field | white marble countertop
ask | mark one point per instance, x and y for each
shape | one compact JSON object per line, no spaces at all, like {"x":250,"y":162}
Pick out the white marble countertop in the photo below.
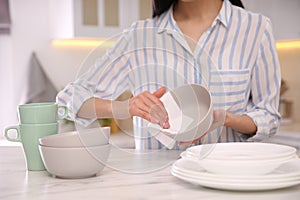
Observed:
{"x":17,"y":184}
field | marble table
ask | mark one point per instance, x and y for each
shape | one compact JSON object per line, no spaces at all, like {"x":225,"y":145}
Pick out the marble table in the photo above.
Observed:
{"x":16,"y":183}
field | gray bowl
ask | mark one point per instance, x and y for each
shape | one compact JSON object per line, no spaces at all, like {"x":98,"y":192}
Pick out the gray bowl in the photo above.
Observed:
{"x":195,"y":102}
{"x":81,"y":162}
{"x":82,"y":138}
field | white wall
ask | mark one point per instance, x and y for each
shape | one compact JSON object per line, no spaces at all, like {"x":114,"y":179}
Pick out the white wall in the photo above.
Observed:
{"x":290,"y":69}
{"x":61,"y":18}
{"x":6,"y":82}
{"x":284,"y":14}
{"x":34,"y":24}
{"x":62,"y":64}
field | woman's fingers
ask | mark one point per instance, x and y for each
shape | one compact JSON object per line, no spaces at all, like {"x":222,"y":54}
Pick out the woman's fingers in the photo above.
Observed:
{"x":163,"y":113}
{"x":191,"y":142}
{"x":157,"y":108}
{"x":219,"y":118}
{"x":150,"y":112}
{"x":159,"y":112}
{"x":160,"y":92}
{"x":187,"y":143}
{"x":149,"y":107}
{"x":219,"y":115}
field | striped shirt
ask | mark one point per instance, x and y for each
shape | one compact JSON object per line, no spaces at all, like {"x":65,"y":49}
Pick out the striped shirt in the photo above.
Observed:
{"x":235,"y":59}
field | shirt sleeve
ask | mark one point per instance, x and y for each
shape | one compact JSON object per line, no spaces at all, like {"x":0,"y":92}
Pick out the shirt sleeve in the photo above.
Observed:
{"x":265,"y":88}
{"x":106,"y":79}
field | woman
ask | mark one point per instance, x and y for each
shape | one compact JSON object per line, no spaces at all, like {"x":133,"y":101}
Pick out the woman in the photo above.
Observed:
{"x":238,"y":42}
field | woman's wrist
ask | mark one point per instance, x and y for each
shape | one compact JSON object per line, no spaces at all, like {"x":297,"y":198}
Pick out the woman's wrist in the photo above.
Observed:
{"x":241,"y":123}
{"x":228,"y":119}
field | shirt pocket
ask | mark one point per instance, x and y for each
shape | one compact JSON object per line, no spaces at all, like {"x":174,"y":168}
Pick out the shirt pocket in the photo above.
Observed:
{"x":229,"y":89}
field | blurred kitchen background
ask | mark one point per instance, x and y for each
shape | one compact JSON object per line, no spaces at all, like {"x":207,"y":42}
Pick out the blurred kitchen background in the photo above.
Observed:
{"x":44,"y":42}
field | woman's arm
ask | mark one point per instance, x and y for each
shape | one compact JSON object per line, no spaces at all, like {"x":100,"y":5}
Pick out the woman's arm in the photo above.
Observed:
{"x":96,"y":81}
{"x":265,"y":87}
{"x":240,"y":123}
{"x":145,"y":105}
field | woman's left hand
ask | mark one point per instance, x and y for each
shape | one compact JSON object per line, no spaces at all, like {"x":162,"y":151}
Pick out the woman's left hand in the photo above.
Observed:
{"x":219,"y":120}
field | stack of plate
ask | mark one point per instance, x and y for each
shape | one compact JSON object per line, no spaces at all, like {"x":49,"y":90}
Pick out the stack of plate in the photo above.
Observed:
{"x":239,"y":166}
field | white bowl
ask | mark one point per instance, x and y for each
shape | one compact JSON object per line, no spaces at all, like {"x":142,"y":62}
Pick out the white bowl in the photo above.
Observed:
{"x":258,"y":167}
{"x":242,"y":151}
{"x":239,"y":167}
{"x":241,"y":158}
{"x":195,"y":102}
{"x":82,"y":138}
{"x":80,"y":162}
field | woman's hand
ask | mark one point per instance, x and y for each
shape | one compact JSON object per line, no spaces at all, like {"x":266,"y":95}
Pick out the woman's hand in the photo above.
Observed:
{"x":219,"y":120}
{"x":148,"y":106}
{"x":242,"y":123}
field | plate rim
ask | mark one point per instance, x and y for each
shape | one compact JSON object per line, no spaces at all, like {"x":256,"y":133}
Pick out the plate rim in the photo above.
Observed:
{"x":237,"y":187}
{"x":229,"y":176}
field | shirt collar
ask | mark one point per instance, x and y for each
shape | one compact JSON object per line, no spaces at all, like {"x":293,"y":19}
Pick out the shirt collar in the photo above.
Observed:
{"x":166,"y":21}
{"x":224,"y":15}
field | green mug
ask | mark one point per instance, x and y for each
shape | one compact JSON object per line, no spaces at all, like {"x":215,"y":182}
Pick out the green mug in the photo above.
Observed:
{"x":39,"y":113}
{"x":28,"y":135}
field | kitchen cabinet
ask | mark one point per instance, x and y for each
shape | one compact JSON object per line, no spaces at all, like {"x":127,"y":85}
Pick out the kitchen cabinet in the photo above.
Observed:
{"x":106,"y":18}
{"x":284,"y":16}
{"x":65,"y":23}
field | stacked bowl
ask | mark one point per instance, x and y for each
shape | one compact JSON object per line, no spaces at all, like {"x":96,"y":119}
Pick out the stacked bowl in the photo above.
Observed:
{"x":77,"y":154}
{"x":240,"y":158}
{"x":239,"y":166}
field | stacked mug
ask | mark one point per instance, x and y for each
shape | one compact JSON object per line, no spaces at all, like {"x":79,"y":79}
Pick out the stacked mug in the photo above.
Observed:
{"x":36,"y":121}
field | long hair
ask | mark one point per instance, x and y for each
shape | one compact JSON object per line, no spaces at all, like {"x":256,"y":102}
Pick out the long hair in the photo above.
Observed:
{"x":160,"y":6}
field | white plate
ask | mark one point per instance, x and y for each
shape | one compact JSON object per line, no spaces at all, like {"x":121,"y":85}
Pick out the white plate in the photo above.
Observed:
{"x":235,"y":186}
{"x":190,"y":168}
{"x":239,"y":167}
{"x":241,"y":151}
{"x":287,"y":170}
{"x":285,"y":176}
{"x":241,"y":158}
{"x":190,"y":156}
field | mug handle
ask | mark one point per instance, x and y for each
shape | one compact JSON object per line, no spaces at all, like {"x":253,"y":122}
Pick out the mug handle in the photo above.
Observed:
{"x":65,"y":112}
{"x":17,"y":139}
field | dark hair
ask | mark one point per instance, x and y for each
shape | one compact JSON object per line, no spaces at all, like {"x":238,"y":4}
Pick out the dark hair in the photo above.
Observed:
{"x":160,"y":6}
